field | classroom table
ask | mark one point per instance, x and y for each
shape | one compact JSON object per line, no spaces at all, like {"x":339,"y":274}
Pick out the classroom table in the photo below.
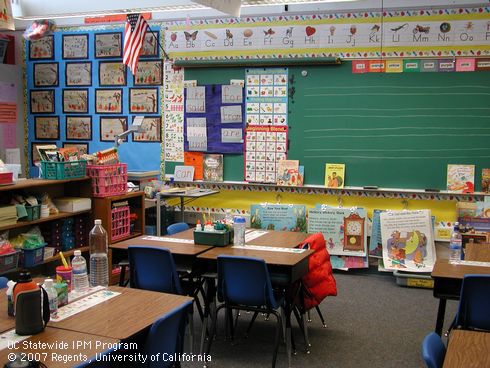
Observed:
{"x":66,"y":353}
{"x":193,"y":193}
{"x":469,"y":349}
{"x":124,"y":315}
{"x":448,"y":279}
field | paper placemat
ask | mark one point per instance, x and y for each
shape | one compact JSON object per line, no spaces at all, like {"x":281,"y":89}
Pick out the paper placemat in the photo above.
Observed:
{"x":473,"y":263}
{"x":168,"y":239}
{"x":269,"y":249}
{"x":83,"y":304}
{"x":253,"y":234}
{"x":9,"y":338}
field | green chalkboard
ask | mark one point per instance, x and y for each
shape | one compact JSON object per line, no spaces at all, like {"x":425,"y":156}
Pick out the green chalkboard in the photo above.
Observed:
{"x":395,"y":130}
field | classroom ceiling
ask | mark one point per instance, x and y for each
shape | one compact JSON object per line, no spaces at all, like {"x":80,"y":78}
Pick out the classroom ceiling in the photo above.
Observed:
{"x":73,"y":12}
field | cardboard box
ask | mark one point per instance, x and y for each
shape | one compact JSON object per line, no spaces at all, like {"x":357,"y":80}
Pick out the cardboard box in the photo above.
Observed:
{"x":73,"y":204}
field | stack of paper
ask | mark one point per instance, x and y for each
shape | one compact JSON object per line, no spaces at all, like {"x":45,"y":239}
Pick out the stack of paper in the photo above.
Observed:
{"x":8,"y":215}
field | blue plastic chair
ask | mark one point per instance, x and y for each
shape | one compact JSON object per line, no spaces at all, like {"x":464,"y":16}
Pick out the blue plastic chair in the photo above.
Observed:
{"x":244,"y":284}
{"x":177,"y":228}
{"x":433,"y":351}
{"x":3,"y":282}
{"x":474,"y":303}
{"x":166,"y":336}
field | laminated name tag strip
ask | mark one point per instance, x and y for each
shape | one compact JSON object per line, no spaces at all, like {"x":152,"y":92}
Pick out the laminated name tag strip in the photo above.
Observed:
{"x":253,"y":234}
{"x":473,"y":263}
{"x":168,"y":239}
{"x":83,"y":304}
{"x":269,"y":249}
{"x":9,"y":338}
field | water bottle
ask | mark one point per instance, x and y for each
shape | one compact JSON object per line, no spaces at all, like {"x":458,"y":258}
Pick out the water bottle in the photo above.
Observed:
{"x":52,"y":297}
{"x":79,"y":278}
{"x":228,"y":217}
{"x":99,"y":268}
{"x":455,"y":245}
{"x":239,"y":226}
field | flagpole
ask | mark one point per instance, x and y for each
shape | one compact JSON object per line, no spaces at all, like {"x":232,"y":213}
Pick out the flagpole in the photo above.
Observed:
{"x":165,"y":55}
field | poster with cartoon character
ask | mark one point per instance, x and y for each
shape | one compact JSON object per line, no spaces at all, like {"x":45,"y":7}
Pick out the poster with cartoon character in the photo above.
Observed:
{"x":286,"y":217}
{"x":408,"y":240}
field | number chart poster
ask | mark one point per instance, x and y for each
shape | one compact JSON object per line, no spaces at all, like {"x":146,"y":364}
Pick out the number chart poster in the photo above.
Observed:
{"x":332,"y":223}
{"x":285,"y":217}
{"x":408,"y":240}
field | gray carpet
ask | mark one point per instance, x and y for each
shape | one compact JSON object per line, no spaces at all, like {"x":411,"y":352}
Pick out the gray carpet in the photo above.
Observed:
{"x":372,"y":322}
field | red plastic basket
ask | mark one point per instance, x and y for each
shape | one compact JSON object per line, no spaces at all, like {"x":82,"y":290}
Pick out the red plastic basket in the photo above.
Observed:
{"x":120,"y":222}
{"x":108,"y":180}
{"x":6,"y":178}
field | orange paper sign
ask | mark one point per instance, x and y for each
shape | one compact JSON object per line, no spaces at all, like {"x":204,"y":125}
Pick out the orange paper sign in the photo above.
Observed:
{"x":195,"y":159}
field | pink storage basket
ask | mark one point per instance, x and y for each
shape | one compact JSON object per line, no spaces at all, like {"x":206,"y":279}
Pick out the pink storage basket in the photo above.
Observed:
{"x":108,"y":180}
{"x":120,"y":222}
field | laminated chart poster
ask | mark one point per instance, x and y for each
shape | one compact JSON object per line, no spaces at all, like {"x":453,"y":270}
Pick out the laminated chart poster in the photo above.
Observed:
{"x":266,"y":118}
{"x":408,"y":240}
{"x":285,"y":217}
{"x":173,"y":113}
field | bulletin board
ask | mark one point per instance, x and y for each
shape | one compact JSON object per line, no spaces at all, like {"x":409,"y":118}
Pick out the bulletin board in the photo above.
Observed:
{"x":73,"y":69}
{"x":215,"y":127}
{"x":397,"y":130}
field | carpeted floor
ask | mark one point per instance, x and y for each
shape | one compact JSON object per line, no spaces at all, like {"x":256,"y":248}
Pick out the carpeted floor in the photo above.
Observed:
{"x":372,"y":323}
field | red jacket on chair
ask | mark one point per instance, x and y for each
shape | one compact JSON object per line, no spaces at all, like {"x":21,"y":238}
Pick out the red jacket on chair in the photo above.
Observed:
{"x":319,"y":281}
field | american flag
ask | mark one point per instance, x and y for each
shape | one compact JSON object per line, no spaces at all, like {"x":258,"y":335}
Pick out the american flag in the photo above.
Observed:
{"x":134,"y":35}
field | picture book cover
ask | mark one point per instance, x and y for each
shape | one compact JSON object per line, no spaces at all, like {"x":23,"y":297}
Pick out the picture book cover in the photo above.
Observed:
{"x":461,"y":178}
{"x":334,"y":175}
{"x":213,"y":167}
{"x":195,"y":159}
{"x":408,"y":240}
{"x":485,"y":180}
{"x":288,"y":173}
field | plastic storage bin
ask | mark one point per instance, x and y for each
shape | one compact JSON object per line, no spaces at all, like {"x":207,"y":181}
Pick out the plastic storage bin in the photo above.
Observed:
{"x":120,"y":222}
{"x":218,"y":238}
{"x":32,"y":257}
{"x":33,"y":213}
{"x":414,"y":280}
{"x":6,"y":178}
{"x":9,"y":261}
{"x":108,"y":180}
{"x":63,"y":170}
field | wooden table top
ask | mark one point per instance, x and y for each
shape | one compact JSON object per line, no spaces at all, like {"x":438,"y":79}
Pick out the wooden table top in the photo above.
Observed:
{"x":284,"y":239}
{"x":53,"y":357}
{"x":443,"y":269}
{"x":123,"y":315}
{"x":469,"y":349}
{"x":477,"y":252}
{"x":185,"y":249}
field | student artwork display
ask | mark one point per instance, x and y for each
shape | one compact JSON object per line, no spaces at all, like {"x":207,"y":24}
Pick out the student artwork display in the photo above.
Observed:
{"x":78,"y":73}
{"x":79,"y":128}
{"x":81,"y":147}
{"x":461,"y":178}
{"x":47,"y":127}
{"x":108,"y":45}
{"x":265,"y":146}
{"x":108,"y":101}
{"x":213,"y":167}
{"x":75,"y":100}
{"x":112,"y":73}
{"x":42,"y":48}
{"x":413,"y":32}
{"x":42,"y":101}
{"x":289,"y":173}
{"x":267,"y":96}
{"x":143,"y":100}
{"x":213,"y":119}
{"x":150,"y":45}
{"x":334,"y":175}
{"x":285,"y":217}
{"x":173,"y":113}
{"x":111,"y":126}
{"x":149,"y":73}
{"x":46,"y":74}
{"x":344,"y":230}
{"x":75,"y":46}
{"x":408,"y":240}
{"x":152,"y":127}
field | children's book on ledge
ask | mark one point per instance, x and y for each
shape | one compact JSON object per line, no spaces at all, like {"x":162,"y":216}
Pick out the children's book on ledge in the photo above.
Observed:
{"x":461,"y":178}
{"x":213,"y":167}
{"x":289,"y":173}
{"x":334,"y":175}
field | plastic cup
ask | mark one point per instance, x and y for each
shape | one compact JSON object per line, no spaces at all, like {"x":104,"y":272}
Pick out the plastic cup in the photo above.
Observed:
{"x":64,"y":273}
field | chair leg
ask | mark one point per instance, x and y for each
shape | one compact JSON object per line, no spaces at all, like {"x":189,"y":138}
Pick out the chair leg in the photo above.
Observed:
{"x":276,"y":338}
{"x":213,"y":329}
{"x":251,"y":323}
{"x":302,"y":323}
{"x":191,"y":330}
{"x":309,"y":316}
{"x":321,"y":316}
